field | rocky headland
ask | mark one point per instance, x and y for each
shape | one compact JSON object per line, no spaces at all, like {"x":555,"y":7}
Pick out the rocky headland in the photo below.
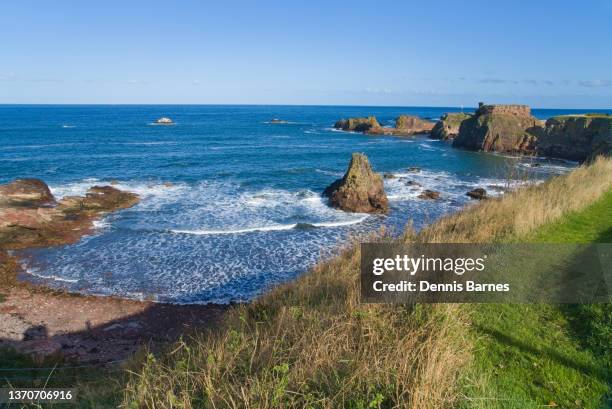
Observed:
{"x":360,"y":190}
{"x":512,"y":129}
{"x":576,"y":137}
{"x":405,"y":125}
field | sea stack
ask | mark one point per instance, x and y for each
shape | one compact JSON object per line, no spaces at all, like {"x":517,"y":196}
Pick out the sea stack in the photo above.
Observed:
{"x":360,"y":190}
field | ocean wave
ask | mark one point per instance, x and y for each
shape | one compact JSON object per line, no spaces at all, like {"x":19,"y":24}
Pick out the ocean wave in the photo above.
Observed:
{"x":152,"y":143}
{"x":276,"y":227}
{"x":329,"y":172}
{"x":52,"y":277}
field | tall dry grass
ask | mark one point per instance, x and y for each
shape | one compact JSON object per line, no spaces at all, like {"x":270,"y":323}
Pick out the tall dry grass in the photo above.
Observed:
{"x":312,"y":344}
{"x":520,"y":212}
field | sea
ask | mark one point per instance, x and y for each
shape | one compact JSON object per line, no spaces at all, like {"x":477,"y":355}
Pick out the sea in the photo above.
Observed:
{"x":231,"y":203}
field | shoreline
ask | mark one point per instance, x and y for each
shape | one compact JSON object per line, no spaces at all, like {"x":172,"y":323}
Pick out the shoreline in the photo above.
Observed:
{"x":105,"y":322}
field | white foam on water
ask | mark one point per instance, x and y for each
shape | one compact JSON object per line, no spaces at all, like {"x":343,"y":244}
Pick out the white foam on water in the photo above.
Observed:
{"x":278,"y":227}
{"x":329,"y":172}
{"x":341,"y":223}
{"x":101,"y":224}
{"x":33,"y":272}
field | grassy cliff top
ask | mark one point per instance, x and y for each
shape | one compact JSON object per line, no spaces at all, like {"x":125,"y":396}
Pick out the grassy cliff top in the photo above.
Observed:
{"x":586,"y":115}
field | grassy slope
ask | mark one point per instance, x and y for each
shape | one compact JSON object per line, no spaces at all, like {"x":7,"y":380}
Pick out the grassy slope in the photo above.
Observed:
{"x":311,"y":343}
{"x":533,"y":355}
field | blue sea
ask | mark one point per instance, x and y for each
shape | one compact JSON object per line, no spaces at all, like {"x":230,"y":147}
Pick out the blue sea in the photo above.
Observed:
{"x":230,"y":203}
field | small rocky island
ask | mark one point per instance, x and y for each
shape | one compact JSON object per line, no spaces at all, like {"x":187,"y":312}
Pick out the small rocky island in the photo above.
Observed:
{"x":164,"y":121}
{"x":405,"y":125}
{"x":360,"y":190}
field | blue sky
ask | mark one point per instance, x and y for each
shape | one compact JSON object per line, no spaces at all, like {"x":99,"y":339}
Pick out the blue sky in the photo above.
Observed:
{"x":553,"y":54}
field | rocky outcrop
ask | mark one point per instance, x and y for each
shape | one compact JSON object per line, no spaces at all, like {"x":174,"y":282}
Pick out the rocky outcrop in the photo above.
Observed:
{"x":360,"y":190}
{"x":576,"y":137}
{"x":358,"y":124}
{"x":500,"y":128}
{"x":478,"y":193}
{"x":30,"y":216}
{"x":429,"y":195}
{"x":26,"y":192}
{"x":405,"y":125}
{"x":448,"y":126}
{"x":411,"y":125}
{"x":164,"y":121}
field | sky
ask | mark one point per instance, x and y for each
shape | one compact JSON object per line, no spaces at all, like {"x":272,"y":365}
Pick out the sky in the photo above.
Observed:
{"x":548,"y":54}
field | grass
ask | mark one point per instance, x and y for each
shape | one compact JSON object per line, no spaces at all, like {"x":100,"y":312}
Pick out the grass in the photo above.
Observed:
{"x":312,"y":344}
{"x":542,"y":354}
{"x":97,"y":387}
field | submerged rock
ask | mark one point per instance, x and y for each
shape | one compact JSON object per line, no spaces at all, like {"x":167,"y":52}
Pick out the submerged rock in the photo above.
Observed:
{"x":429,"y":195}
{"x":500,"y":128}
{"x":448,"y":126}
{"x":478,"y":193}
{"x":412,"y":183}
{"x":360,"y":190}
{"x":278,"y":121}
{"x":576,"y":137}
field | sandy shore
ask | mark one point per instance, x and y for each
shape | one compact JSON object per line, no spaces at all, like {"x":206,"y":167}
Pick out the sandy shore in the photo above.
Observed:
{"x":93,"y":329}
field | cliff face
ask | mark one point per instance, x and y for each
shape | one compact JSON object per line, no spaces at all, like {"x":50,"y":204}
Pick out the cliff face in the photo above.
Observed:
{"x":500,"y":128}
{"x":576,"y":137}
{"x":448,"y":126}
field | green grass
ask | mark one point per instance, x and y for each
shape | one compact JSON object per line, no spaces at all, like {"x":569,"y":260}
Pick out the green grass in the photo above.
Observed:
{"x":593,"y":225}
{"x":543,"y":354}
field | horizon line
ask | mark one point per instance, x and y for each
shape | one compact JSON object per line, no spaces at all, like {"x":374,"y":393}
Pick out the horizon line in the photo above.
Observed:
{"x":469,"y":107}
